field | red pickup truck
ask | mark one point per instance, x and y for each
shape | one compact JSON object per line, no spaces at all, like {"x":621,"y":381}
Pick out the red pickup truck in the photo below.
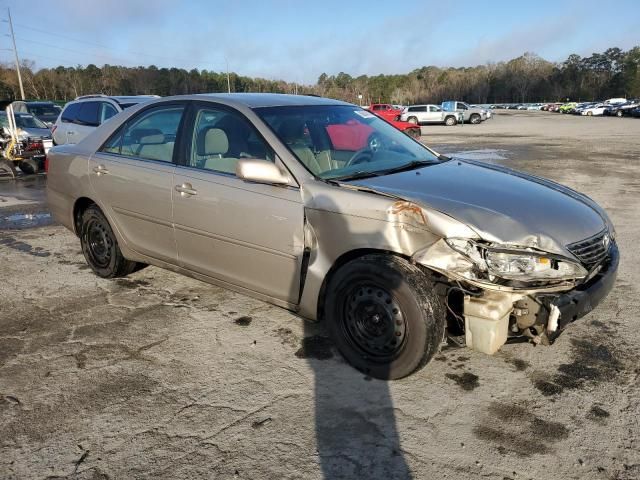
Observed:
{"x":392,"y":115}
{"x":385,"y":111}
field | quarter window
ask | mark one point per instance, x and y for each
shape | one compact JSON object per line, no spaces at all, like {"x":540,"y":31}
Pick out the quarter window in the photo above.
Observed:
{"x":151,"y":135}
{"x":221,"y":138}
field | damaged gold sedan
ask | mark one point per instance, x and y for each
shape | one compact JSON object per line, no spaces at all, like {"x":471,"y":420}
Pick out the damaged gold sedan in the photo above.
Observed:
{"x":320,"y":207}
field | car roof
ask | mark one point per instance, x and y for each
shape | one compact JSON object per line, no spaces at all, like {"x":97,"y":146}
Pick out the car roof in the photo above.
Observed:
{"x":257,"y":100}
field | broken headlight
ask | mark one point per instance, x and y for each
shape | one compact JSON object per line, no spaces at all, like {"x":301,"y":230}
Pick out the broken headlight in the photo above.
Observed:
{"x":514,"y":263}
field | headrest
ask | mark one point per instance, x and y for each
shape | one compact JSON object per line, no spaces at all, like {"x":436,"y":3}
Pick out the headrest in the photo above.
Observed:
{"x":139,"y":133}
{"x":157,"y":139}
{"x":212,"y":141}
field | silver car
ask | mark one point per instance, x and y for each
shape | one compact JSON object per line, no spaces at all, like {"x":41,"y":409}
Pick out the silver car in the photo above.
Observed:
{"x":83,"y":115}
{"x":323,"y":208}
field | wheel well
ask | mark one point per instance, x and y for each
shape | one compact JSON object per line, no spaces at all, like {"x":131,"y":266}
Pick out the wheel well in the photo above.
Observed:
{"x":78,"y":209}
{"x":343,"y":260}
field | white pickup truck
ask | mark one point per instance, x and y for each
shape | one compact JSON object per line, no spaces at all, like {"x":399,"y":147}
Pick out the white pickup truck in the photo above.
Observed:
{"x":470,"y":114}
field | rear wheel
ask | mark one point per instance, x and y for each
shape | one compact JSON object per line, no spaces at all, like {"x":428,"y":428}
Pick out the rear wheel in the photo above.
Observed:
{"x":619,"y":113}
{"x":450,"y":121}
{"x":414,"y":133}
{"x":474,"y":119}
{"x":384,"y":315}
{"x":29,"y":166}
{"x":100,"y":246}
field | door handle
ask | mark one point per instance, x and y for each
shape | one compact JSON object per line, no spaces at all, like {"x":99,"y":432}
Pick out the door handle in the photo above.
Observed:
{"x":100,"y":170}
{"x":186,"y":190}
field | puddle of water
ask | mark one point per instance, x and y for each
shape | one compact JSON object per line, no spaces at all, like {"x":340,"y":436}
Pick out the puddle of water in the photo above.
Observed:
{"x":26,"y":220}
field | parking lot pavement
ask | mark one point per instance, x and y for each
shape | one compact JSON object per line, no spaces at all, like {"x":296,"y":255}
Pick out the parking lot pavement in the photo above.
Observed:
{"x":161,"y":376}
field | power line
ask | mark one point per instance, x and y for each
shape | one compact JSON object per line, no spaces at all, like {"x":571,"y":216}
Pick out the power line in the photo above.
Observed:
{"x":170,"y":59}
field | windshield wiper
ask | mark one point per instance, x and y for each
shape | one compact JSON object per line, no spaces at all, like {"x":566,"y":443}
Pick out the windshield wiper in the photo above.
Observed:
{"x":408,"y":166}
{"x":355,"y":176}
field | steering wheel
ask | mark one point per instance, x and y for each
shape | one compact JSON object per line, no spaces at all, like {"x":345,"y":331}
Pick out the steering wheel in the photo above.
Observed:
{"x":365,"y":155}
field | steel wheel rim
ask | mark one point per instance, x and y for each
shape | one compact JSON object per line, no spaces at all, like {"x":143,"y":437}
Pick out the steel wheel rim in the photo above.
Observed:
{"x":373,"y":322}
{"x":99,"y":244}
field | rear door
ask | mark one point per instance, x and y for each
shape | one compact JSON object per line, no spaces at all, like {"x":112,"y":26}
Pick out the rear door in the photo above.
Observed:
{"x":132,"y":176}
{"x":434,"y":114}
{"x":245,"y":234}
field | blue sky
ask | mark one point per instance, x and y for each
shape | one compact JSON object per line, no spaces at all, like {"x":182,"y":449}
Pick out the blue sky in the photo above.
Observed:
{"x":298,"y":40}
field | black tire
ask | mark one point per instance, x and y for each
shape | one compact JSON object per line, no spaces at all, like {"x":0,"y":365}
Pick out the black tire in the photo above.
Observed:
{"x":413,"y":120}
{"x":475,"y":119}
{"x":100,"y":246}
{"x":29,"y":166}
{"x":414,"y":133}
{"x":450,"y":121}
{"x":7,"y":168}
{"x":384,"y":315}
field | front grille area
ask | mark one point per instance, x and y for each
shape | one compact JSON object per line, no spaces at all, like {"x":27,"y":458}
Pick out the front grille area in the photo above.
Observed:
{"x":591,"y":251}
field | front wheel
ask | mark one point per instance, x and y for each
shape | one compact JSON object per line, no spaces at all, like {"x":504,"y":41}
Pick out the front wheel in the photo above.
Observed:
{"x":589,"y":114}
{"x":450,"y":121}
{"x":619,"y":113}
{"x":413,"y":120}
{"x":100,"y":246}
{"x":384,"y":315}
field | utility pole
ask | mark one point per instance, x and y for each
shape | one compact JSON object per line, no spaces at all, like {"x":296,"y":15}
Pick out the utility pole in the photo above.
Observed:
{"x":15,"y":52}
{"x":228,"y":81}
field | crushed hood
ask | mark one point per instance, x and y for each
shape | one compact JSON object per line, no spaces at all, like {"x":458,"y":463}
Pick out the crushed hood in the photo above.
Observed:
{"x":501,"y":205}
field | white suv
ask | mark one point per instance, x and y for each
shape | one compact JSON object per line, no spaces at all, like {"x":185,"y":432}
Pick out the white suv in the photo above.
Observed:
{"x":80,"y":117}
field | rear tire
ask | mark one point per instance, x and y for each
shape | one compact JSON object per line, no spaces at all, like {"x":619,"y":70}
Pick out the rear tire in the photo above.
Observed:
{"x":414,"y":133}
{"x":7,"y":168}
{"x":100,"y":246}
{"x":29,"y":166}
{"x":475,"y":119}
{"x":384,"y":315}
{"x":619,"y":113}
{"x":450,"y":121}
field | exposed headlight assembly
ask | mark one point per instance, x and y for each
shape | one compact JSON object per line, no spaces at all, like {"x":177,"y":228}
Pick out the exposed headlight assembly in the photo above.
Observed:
{"x":514,"y":263}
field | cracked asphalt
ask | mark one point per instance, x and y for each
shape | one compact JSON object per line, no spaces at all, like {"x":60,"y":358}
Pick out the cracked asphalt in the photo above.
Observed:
{"x":161,"y":376}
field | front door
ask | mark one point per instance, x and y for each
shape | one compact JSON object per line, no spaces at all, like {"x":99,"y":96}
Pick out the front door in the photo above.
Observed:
{"x":246,"y":234}
{"x":132,"y":176}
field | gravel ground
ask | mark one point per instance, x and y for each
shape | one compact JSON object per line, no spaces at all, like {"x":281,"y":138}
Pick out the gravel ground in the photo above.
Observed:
{"x":161,"y":376}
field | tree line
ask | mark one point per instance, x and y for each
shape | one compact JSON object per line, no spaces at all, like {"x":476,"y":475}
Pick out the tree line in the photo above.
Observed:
{"x":528,"y":78}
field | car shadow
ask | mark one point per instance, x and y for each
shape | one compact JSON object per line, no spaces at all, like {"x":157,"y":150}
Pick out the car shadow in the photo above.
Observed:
{"x":355,"y":425}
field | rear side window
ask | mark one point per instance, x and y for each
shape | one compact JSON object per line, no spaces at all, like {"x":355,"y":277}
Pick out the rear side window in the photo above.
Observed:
{"x":88,"y":114}
{"x":417,"y":109}
{"x":70,"y":112}
{"x":150,"y":135}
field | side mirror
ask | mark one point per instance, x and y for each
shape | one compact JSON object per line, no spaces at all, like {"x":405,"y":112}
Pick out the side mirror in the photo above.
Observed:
{"x":261,"y":171}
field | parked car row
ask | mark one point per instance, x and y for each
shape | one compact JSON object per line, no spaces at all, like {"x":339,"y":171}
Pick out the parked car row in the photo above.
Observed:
{"x":614,"y":107}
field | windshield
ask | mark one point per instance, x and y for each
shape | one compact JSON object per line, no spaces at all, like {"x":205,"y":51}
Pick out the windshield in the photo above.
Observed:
{"x":343,"y":141}
{"x":44,"y":110}
{"x":28,"y":121}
